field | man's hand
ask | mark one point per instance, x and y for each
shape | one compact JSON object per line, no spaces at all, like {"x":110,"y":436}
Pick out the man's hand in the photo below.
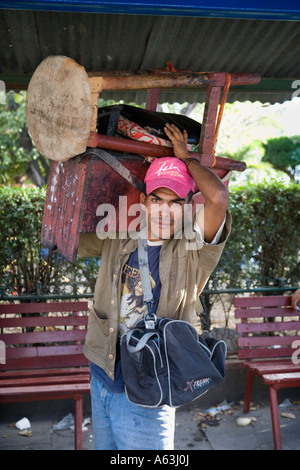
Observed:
{"x":209,"y":184}
{"x":179,"y":140}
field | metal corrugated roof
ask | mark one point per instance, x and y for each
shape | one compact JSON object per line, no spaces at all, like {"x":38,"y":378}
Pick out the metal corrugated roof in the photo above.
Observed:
{"x":108,"y":42}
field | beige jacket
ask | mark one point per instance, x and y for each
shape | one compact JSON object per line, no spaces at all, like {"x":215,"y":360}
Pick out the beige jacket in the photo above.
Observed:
{"x":183,"y":273}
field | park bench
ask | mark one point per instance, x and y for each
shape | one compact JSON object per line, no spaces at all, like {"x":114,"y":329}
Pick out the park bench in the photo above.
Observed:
{"x":43,"y":358}
{"x":269,"y":334}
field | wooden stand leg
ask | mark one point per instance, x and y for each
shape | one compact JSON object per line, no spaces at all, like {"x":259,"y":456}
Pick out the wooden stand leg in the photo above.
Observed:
{"x":275,"y":418}
{"x":248,"y":392}
{"x":78,"y":418}
{"x":207,"y":135}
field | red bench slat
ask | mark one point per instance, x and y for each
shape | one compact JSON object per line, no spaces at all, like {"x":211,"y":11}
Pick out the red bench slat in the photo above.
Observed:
{"x":283,"y":378}
{"x":36,"y":392}
{"x":44,"y":307}
{"x":51,"y":380}
{"x":267,"y":327}
{"x":262,"y":301}
{"x":55,"y":368}
{"x":269,"y":312}
{"x":256,"y":347}
{"x":43,"y":337}
{"x":32,"y":322}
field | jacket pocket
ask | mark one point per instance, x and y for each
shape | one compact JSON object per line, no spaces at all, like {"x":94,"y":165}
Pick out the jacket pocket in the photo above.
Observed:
{"x":98,"y":335}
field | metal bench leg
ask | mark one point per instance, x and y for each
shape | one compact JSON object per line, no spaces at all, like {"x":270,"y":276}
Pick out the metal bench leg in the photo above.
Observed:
{"x":248,"y":392}
{"x":275,"y":418}
{"x":78,"y":418}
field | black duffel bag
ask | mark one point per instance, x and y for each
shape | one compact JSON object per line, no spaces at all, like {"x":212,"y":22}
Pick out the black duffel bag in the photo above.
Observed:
{"x":166,"y":361}
{"x":170,"y":364}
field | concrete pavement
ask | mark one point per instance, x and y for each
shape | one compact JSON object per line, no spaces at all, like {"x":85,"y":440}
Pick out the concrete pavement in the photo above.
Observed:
{"x":196,"y":429}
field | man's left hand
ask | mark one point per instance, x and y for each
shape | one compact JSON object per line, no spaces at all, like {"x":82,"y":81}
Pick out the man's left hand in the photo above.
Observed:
{"x":179,"y":140}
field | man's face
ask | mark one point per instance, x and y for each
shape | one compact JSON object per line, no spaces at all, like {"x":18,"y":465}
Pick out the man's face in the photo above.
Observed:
{"x":164,"y":213}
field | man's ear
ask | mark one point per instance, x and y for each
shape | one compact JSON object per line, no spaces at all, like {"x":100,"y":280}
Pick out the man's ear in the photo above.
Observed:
{"x":143,"y":198}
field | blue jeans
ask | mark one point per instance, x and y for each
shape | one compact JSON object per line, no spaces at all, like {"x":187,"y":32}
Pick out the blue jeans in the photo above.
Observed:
{"x":118,"y":424}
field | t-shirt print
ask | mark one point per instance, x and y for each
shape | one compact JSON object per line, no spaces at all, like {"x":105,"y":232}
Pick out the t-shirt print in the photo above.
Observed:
{"x":132,"y":308}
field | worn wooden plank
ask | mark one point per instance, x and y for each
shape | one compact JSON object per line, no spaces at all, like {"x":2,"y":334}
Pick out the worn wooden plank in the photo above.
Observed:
{"x":266,"y":341}
{"x":267,"y":327}
{"x":43,"y":392}
{"x":31,"y":322}
{"x":42,"y":362}
{"x":43,"y":351}
{"x":35,"y":373}
{"x":207,"y":134}
{"x":63,"y":202}
{"x":290,"y":379}
{"x":43,"y":337}
{"x":44,"y":307}
{"x":273,"y":366}
{"x":248,"y":353}
{"x":59,"y":108}
{"x":262,"y":301}
{"x":50,"y":380}
{"x":269,"y":312}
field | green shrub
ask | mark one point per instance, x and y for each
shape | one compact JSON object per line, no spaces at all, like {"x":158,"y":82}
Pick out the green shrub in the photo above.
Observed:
{"x":24,"y":262}
{"x":263,"y":247}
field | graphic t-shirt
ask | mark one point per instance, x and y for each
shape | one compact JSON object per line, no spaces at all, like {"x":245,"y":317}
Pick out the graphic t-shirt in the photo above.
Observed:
{"x":132,"y":308}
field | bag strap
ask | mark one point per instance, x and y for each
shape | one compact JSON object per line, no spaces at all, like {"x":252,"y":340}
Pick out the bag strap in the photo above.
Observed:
{"x":141,"y":342}
{"x":150,"y":317}
{"x":116,"y":165}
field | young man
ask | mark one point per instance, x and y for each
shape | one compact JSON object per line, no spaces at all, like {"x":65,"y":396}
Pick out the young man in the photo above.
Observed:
{"x":180,"y":262}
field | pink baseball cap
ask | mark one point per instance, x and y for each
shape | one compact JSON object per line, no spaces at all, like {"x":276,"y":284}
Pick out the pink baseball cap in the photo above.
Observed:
{"x":169,"y":173}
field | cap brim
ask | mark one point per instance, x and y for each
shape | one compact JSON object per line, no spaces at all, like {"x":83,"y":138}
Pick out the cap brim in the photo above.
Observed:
{"x":180,"y":189}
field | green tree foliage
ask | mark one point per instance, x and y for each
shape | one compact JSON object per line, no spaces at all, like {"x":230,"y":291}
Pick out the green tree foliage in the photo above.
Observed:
{"x":263,"y":247}
{"x":24,"y":262}
{"x":19,"y":159}
{"x":284,"y":154}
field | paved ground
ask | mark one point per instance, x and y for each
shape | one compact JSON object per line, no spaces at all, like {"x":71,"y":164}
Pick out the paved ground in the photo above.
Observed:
{"x":196,"y":430}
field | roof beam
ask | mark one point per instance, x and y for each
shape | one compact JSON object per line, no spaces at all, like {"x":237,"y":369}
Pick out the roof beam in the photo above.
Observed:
{"x":248,"y":9}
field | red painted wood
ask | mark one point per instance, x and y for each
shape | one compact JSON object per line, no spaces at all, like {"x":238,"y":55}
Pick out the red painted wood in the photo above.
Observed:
{"x":267,"y":327}
{"x":37,"y":362}
{"x":55,"y":372}
{"x":43,"y":337}
{"x":42,"y":351}
{"x":57,"y":349}
{"x":38,"y":392}
{"x":43,"y":321}
{"x":152,"y":99}
{"x":262,"y":301}
{"x":266,"y":341}
{"x":62,"y":206}
{"x":283,"y":379}
{"x":209,"y":119}
{"x":267,"y":312}
{"x":78,"y":418}
{"x":121,"y":144}
{"x":264,"y":353}
{"x":104,"y":186}
{"x":52,"y":380}
{"x":275,"y":418}
{"x":44,"y":307}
